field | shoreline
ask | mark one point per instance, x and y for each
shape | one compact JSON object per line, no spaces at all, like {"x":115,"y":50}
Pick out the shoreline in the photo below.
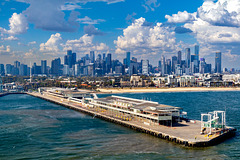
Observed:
{"x":162,"y":90}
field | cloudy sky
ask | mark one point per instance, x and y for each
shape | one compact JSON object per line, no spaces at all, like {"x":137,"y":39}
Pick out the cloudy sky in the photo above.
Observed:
{"x":31,"y":30}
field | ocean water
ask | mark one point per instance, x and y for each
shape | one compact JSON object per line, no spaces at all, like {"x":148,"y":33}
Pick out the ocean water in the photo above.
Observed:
{"x":31,"y":128}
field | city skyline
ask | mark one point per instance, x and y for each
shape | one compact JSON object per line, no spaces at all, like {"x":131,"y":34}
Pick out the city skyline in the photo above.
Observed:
{"x":104,"y":65}
{"x":148,"y":30}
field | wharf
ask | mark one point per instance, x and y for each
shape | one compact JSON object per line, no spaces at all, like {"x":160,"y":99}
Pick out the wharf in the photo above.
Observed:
{"x":7,"y":93}
{"x":187,"y":134}
{"x":3,"y":94}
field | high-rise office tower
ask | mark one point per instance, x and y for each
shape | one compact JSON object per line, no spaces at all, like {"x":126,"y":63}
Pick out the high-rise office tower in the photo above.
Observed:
{"x":103,"y":56}
{"x":23,"y":70}
{"x":65,"y":60}
{"x":99,"y":57}
{"x":179,"y":58}
{"x":188,"y":57}
{"x":218,"y":62}
{"x":56,"y":63}
{"x":2,"y":70}
{"x":145,"y":67}
{"x":128,"y":55}
{"x":9,"y":69}
{"x":109,"y":62}
{"x":163,"y":66}
{"x":202,"y":65}
{"x":92,"y":56}
{"x":196,"y":60}
{"x":44,"y":66}
{"x":133,"y":68}
{"x":159,"y":66}
{"x":69,"y":52}
{"x":196,"y":52}
{"x":16,"y":68}
{"x":70,"y":58}
{"x":74,"y":58}
{"x":174,"y":63}
{"x":168,"y":66}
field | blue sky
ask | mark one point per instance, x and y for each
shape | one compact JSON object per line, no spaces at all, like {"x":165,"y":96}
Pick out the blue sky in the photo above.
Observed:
{"x":32,"y":30}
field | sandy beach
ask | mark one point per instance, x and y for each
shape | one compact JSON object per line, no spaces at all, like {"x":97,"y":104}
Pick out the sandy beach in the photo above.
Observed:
{"x":149,"y":90}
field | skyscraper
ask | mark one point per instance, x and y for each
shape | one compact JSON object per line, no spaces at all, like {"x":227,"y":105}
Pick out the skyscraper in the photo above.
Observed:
{"x":2,"y":70}
{"x":92,"y":56}
{"x":44,"y":66}
{"x":163,"y":66}
{"x":70,"y":58}
{"x":179,"y":58}
{"x":174,"y":63}
{"x":196,"y":52}
{"x":128,"y":55}
{"x":23,"y":70}
{"x":103,"y":56}
{"x":188,"y":57}
{"x":9,"y":69}
{"x":133,"y":68}
{"x":145,"y":66}
{"x":69,"y":52}
{"x":109,"y":62}
{"x":196,"y":60}
{"x":74,"y":58}
{"x":218,"y":62}
{"x":16,"y":68}
{"x":56,"y":63}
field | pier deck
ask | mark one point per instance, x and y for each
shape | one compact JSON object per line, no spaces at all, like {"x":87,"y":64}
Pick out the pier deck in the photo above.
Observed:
{"x":186,"y":133}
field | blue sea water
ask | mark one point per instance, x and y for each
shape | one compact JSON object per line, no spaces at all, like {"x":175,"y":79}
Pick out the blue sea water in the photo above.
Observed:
{"x":31,"y":128}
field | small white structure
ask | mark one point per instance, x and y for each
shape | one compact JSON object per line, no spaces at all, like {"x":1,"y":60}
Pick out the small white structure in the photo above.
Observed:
{"x":215,"y":120}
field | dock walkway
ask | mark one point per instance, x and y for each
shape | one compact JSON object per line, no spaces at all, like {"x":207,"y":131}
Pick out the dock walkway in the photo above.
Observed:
{"x":187,"y":133}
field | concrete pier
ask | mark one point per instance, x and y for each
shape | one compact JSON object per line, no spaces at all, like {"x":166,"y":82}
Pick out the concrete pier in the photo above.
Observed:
{"x":7,"y":93}
{"x":187,"y":134}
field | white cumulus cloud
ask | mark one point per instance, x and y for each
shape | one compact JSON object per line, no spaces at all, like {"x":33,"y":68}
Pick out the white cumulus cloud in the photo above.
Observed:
{"x":10,"y":38}
{"x":85,"y":44}
{"x":181,"y":17}
{"x":17,"y":25}
{"x":221,"y":13}
{"x":52,"y":45}
{"x":88,"y":20}
{"x":143,"y":39}
{"x":4,"y":50}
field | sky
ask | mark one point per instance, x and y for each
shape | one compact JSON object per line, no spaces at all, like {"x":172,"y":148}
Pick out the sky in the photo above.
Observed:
{"x":33,"y":30}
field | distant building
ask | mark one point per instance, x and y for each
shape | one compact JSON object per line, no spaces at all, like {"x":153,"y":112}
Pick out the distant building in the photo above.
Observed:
{"x":128,"y":59}
{"x":92,"y":56}
{"x":188,"y":57}
{"x":174,"y":63}
{"x":16,"y":68}
{"x":23,"y":70}
{"x":109,"y":62}
{"x":179,"y":58}
{"x":44,"y":66}
{"x":91,"y":70}
{"x":70,"y":58}
{"x":36,"y":69}
{"x":2,"y":70}
{"x":145,"y":67}
{"x":9,"y":69}
{"x":133,"y":68}
{"x":163,"y":67}
{"x":218,"y":62}
{"x":55,"y":68}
